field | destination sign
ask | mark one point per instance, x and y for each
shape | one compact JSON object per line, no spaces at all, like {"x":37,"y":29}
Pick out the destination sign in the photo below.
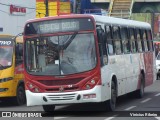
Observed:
{"x":49,"y":27}
{"x":61,"y":25}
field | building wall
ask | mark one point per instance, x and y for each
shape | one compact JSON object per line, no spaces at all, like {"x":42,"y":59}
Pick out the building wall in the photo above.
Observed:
{"x":12,"y":19}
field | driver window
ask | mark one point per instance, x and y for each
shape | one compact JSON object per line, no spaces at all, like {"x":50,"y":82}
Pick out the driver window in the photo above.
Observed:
{"x":19,"y":53}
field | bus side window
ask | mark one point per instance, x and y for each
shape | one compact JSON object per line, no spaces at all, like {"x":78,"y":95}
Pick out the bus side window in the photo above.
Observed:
{"x":144,"y":38}
{"x":132,"y":40}
{"x":19,"y":53}
{"x":109,"y":43}
{"x":101,"y":42}
{"x":139,"y":42}
{"x":125,"y":40}
{"x":149,"y":37}
{"x":117,"y":40}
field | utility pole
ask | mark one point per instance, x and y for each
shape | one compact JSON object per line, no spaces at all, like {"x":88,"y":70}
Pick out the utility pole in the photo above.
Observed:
{"x":46,"y":4}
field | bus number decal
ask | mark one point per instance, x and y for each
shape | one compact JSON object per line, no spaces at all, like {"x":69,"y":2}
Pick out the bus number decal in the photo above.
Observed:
{"x":5,"y":42}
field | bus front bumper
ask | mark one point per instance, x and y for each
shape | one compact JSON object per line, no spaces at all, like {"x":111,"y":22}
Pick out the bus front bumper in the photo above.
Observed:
{"x":85,"y":96}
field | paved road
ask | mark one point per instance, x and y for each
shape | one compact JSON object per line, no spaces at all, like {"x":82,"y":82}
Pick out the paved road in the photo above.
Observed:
{"x":125,"y":106}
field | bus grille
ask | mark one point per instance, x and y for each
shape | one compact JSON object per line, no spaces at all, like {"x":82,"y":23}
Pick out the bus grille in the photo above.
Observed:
{"x":61,"y":97}
{"x":60,"y":82}
{"x":56,"y":89}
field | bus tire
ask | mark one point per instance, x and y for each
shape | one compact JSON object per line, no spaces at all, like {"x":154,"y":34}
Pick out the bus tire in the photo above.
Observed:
{"x":48,"y":108}
{"x":111,"y":104}
{"x":20,"y":98}
{"x":140,"y":92}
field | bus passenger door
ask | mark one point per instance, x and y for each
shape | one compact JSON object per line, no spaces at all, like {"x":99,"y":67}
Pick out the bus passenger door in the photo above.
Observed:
{"x":134,"y":62}
{"x":105,"y":73}
{"x":119,"y":60}
{"x":127,"y":59}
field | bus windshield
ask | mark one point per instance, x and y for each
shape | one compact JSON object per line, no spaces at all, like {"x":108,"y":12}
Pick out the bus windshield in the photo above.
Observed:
{"x":6,"y":51}
{"x":60,"y":55}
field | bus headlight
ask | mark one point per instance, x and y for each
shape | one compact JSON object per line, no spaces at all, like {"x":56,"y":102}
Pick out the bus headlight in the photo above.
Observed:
{"x":33,"y":88}
{"x":6,"y":79}
{"x":3,"y":89}
{"x":91,"y":83}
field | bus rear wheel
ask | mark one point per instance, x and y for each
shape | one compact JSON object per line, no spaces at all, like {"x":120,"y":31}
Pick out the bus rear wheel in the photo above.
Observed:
{"x":48,"y":108}
{"x":140,"y":92}
{"x":20,"y":98}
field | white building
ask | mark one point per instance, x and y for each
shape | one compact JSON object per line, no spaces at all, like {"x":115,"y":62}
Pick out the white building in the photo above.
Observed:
{"x":14,"y":14}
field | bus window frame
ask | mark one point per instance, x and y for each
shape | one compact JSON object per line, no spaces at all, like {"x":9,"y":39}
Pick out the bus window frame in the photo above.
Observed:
{"x":138,"y":30}
{"x":111,"y":38}
{"x":151,"y":46}
{"x":101,"y":44}
{"x":143,"y":41}
{"x":148,"y":44}
{"x":135,"y":41}
{"x":119,"y":39}
{"x":127,"y":39}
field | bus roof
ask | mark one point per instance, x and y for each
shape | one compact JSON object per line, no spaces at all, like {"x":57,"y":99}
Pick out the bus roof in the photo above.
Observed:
{"x":19,"y":39}
{"x":99,"y":18}
{"x":120,"y":21}
{"x":5,"y":36}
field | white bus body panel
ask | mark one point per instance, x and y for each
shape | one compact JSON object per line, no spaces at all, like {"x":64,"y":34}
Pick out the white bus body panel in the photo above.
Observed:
{"x":126,"y":68}
{"x":37,"y":98}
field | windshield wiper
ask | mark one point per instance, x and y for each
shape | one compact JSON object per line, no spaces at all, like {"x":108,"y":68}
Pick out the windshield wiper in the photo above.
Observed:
{"x":64,"y":46}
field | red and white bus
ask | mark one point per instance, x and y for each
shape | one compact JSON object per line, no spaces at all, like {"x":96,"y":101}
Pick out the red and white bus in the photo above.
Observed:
{"x":86,"y":59}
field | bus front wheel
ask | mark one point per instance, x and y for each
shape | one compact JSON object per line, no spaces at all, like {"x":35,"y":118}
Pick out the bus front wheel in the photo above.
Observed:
{"x":20,"y":98}
{"x":111,"y":104}
{"x":49,"y":108}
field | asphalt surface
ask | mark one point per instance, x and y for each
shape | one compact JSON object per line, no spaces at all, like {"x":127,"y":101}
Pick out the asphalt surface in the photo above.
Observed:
{"x":128,"y":108}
